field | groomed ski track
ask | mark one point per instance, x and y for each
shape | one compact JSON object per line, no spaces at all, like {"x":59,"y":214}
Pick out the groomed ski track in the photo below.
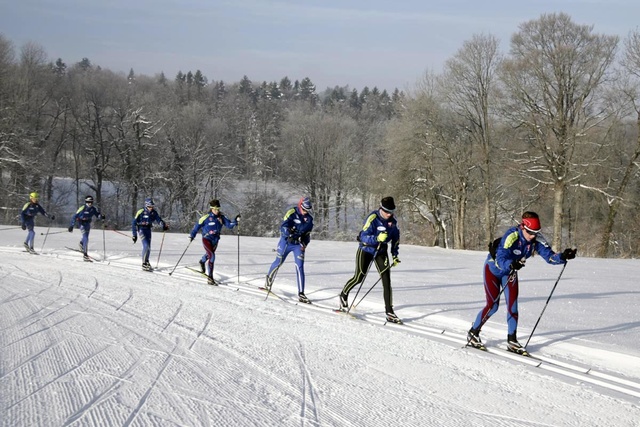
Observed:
{"x":323,"y":303}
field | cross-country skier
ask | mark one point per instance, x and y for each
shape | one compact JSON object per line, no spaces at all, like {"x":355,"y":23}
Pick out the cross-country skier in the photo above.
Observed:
{"x":27,"y":218}
{"x":295,"y":235}
{"x":83,"y":216}
{"x":379,"y":230}
{"x":211,"y":225}
{"x":141,"y":225}
{"x":501,"y":271}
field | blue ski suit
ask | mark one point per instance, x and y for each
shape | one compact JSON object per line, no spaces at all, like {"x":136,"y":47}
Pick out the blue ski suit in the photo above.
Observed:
{"x":83,"y":216}
{"x":211,"y":225}
{"x":27,"y":217}
{"x":141,"y":225}
{"x":498,"y":273}
{"x":295,"y":235}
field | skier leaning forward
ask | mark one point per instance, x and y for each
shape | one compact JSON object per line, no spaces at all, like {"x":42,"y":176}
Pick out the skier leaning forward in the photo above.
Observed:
{"x":211,"y":225}
{"x":141,"y":225}
{"x":83,"y":216}
{"x":295,"y":235}
{"x":516,"y":245}
{"x":379,"y":230}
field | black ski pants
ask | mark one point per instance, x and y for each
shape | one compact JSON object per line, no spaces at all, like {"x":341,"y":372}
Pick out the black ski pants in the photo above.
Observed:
{"x":363,"y":261}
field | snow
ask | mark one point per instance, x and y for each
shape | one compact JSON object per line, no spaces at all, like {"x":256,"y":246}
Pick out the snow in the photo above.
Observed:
{"x":106,"y":343}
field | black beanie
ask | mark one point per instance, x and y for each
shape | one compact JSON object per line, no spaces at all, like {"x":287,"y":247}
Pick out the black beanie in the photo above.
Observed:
{"x":387,"y":204}
{"x":215,"y":203}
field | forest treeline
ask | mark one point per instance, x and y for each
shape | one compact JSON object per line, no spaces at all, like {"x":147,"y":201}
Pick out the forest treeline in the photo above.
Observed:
{"x":551,"y":125}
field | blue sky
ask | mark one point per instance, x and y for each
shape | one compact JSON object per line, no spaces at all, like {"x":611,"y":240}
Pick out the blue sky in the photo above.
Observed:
{"x":387,"y":44}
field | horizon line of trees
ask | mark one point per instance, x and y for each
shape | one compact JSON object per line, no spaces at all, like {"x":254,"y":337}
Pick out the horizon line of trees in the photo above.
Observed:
{"x":550,"y":126}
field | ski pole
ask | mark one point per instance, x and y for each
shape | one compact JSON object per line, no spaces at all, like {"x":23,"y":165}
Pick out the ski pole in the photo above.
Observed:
{"x":545,"y":305}
{"x":275,"y":273}
{"x":185,"y":251}
{"x":54,"y":232}
{"x":45,"y":237}
{"x":370,"y":289}
{"x":120,"y":232}
{"x":104,"y":241}
{"x":364,"y":278}
{"x":238,"y":226}
{"x":160,"y":251}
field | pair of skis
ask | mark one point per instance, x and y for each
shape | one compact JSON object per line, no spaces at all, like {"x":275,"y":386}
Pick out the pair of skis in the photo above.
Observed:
{"x":520,"y":351}
{"x":210,"y":280}
{"x":85,"y":257}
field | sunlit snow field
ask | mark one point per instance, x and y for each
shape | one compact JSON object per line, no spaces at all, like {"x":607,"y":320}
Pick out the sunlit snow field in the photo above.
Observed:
{"x":106,"y":343}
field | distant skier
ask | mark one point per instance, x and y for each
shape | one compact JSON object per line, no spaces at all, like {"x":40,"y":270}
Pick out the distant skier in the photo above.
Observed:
{"x":27,"y":219}
{"x":141,"y":225}
{"x":83,"y":216}
{"x":211,"y":225}
{"x":501,"y":270}
{"x":379,"y":230}
{"x":295,"y":235}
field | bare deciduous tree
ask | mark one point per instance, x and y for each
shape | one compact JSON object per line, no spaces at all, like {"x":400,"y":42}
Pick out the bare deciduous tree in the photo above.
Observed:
{"x":553,"y":71}
{"x":467,"y":85}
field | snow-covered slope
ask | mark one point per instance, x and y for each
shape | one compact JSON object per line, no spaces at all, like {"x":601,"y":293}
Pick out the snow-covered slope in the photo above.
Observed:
{"x":105,"y":343}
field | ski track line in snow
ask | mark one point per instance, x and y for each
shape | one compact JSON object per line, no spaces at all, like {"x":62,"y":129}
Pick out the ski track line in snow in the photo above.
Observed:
{"x":129,"y":298}
{"x":94,"y":289}
{"x":32,"y":358}
{"x":259,"y":371}
{"x":440,"y":334}
{"x":150,"y":389}
{"x":566,"y":370}
{"x":190,"y":360}
{"x":204,"y":328}
{"x":105,"y":394}
{"x":57,"y":378}
{"x":307,"y":388}
{"x":51,"y":313}
{"x":549,"y":364}
{"x":173,"y":317}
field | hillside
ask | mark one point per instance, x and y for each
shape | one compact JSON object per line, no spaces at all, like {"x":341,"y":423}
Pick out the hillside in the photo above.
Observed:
{"x":105,"y":343}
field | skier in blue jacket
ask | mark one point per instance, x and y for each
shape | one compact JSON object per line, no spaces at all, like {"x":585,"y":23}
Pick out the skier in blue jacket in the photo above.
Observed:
{"x":27,"y":219}
{"x":83,"y":216}
{"x":380,"y":230}
{"x":295,"y":235}
{"x":501,"y":271}
{"x":211,"y":226}
{"x":141,"y":225}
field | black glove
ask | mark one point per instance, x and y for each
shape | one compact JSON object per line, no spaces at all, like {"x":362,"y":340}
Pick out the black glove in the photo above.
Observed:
{"x":517,"y":265}
{"x":53,"y":217}
{"x":102,"y":217}
{"x":134,"y":238}
{"x":24,"y":226}
{"x":71,"y":229}
{"x":191,"y":238}
{"x":237,"y":218}
{"x":165,"y":227}
{"x":568,"y":254}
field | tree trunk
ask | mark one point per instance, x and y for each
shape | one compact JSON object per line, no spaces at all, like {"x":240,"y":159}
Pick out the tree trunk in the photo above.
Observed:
{"x":558,"y":213}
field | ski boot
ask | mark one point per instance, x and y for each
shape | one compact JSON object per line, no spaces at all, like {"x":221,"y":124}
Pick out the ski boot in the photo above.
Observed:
{"x":391,"y":317}
{"x":303,"y":298}
{"x":514,"y":346}
{"x":473,"y":339}
{"x":344,"y":302}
